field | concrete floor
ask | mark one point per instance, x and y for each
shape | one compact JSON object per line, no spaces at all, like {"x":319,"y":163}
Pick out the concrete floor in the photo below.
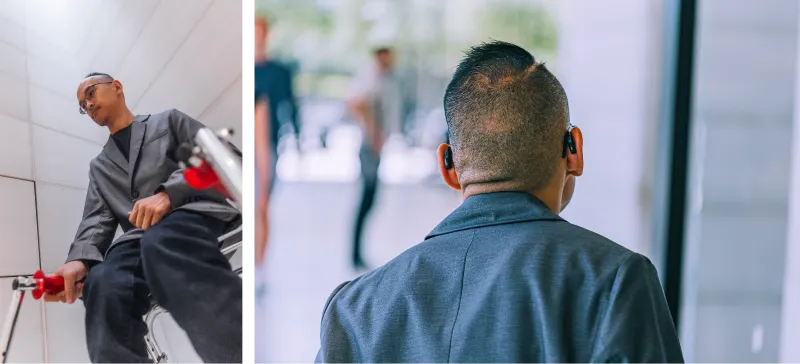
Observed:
{"x":309,"y":251}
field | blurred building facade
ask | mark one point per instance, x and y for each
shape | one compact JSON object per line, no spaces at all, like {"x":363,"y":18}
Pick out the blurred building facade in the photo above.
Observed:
{"x":741,"y":152}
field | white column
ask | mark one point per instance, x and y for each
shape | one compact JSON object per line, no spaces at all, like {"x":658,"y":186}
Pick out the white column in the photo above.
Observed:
{"x":790,"y":315}
{"x":608,"y":61}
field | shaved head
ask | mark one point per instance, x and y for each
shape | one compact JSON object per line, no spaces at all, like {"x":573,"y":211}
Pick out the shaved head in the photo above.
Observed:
{"x":507,"y":116}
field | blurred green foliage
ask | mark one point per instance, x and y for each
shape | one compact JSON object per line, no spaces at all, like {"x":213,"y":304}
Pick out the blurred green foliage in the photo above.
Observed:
{"x":328,"y":40}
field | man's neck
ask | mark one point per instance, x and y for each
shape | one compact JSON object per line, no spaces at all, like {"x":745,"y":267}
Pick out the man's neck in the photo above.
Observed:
{"x":548,"y":195}
{"x":121,"y":121}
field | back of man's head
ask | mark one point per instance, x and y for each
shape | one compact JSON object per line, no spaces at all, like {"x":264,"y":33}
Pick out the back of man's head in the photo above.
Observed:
{"x":507,"y":116}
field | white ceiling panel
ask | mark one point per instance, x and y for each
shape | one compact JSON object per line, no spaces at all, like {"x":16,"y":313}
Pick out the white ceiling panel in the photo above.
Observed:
{"x":14,"y":10}
{"x":82,"y":18}
{"x":61,"y":78}
{"x":60,"y":113}
{"x":203,"y":67}
{"x":43,"y":48}
{"x":171,"y":24}
{"x":12,"y":60}
{"x":109,"y":11}
{"x":118,"y":39}
{"x":56,"y":20}
{"x":11,"y":32}
{"x":183,"y":54}
{"x":226,"y":112}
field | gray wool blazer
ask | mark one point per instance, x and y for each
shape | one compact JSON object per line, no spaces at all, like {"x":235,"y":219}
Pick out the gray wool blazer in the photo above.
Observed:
{"x":503,"y":280}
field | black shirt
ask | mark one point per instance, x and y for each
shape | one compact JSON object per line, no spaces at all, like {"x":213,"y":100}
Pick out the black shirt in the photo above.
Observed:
{"x":123,"y":140}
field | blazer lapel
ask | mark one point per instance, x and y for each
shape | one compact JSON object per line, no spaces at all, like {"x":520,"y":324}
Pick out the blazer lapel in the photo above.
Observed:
{"x":138,"y":129}
{"x":112,"y":151}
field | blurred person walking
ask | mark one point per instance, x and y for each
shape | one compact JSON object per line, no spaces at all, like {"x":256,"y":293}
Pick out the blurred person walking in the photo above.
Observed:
{"x":273,"y":83}
{"x":376,"y":103}
{"x":265,"y":140}
{"x":504,"y":278}
{"x":275,"y":106}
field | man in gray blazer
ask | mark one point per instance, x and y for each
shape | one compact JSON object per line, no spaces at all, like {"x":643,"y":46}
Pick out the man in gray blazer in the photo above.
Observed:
{"x":168,"y":248}
{"x":503,"y":278}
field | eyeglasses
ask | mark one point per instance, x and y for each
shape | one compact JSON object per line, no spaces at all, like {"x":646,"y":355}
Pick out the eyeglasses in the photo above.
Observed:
{"x":89,"y":95}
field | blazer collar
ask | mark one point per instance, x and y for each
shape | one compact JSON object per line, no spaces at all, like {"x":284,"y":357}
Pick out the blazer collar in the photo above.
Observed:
{"x":137,"y":136}
{"x":494,"y":209}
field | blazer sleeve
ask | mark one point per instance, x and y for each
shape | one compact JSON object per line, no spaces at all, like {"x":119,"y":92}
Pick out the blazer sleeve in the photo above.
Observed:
{"x":636,"y":326}
{"x":96,"y":230}
{"x":183,"y":129}
{"x":328,"y":336}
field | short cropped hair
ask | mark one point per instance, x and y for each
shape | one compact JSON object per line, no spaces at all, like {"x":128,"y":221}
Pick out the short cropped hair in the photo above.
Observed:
{"x":507,"y":116}
{"x":101,"y":74}
{"x":381,"y":50}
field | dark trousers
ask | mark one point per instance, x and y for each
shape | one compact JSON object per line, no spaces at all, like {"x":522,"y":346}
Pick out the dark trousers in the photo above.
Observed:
{"x":178,"y":262}
{"x":370,"y":161}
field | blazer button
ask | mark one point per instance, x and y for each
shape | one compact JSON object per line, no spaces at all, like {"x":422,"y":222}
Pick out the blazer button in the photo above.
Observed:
{"x":135,"y":194}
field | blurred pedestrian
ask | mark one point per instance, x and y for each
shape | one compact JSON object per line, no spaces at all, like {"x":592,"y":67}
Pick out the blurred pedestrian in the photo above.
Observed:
{"x":376,"y":103}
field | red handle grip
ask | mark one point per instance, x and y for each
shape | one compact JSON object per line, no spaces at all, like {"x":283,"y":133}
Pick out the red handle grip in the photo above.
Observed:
{"x":204,"y":177}
{"x":45,"y":284}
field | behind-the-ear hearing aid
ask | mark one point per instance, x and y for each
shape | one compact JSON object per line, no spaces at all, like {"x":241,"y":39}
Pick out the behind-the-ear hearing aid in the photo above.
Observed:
{"x":448,"y":158}
{"x":569,"y":143}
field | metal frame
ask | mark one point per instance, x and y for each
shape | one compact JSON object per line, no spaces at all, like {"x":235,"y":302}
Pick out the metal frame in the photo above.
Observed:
{"x":677,"y":122}
{"x":11,"y":322}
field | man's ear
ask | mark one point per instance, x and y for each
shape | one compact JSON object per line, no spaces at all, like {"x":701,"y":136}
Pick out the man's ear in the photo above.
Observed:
{"x":448,"y":174}
{"x":575,"y":160}
{"x":117,"y":87}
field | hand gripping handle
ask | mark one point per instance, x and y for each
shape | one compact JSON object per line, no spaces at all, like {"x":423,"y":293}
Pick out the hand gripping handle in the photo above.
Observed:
{"x":39,"y":284}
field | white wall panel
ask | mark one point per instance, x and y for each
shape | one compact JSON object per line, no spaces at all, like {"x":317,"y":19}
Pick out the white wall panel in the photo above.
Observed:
{"x":15,"y":148}
{"x":13,"y":96}
{"x":62,"y":159}
{"x":18,"y":236}
{"x":60,"y":210}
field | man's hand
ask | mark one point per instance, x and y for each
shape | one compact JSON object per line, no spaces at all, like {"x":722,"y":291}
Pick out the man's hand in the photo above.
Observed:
{"x":147,"y":212}
{"x":74,"y":273}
